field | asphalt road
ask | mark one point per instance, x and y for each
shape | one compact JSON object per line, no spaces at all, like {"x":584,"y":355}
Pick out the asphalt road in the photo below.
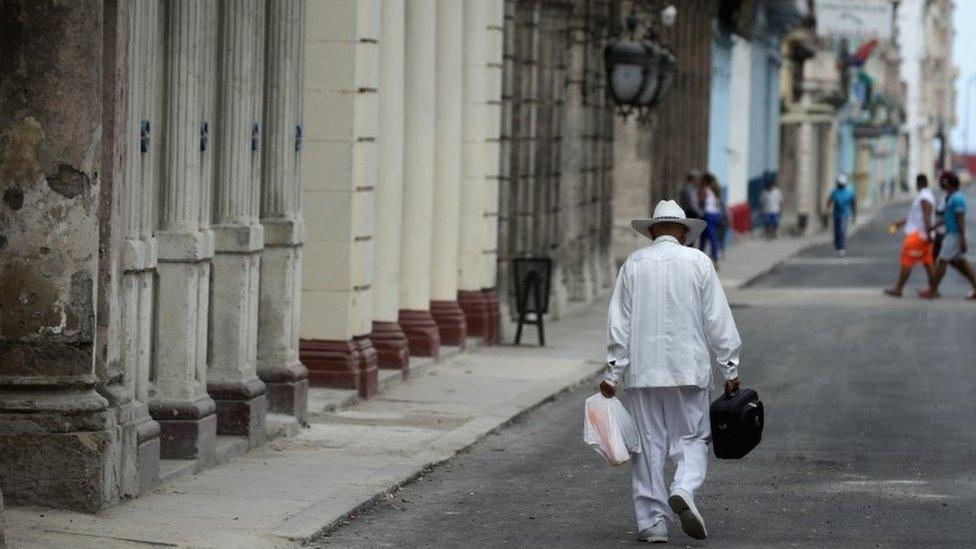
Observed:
{"x":870,"y":438}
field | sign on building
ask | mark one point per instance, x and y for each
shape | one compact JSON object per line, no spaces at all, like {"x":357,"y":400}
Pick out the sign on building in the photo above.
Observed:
{"x":857,"y":19}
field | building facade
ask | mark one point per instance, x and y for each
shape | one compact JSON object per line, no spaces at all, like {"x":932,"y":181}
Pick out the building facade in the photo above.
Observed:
{"x":555,"y":187}
{"x":745,"y":109}
{"x":183,"y":295}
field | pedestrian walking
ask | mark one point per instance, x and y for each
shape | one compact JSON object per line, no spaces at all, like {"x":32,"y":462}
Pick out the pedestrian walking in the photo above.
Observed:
{"x":843,"y":203}
{"x":954,"y":244}
{"x":689,"y":195}
{"x":919,"y":227}
{"x":710,"y":197}
{"x":939,"y":220}
{"x":771,"y":204}
{"x":668,"y":313}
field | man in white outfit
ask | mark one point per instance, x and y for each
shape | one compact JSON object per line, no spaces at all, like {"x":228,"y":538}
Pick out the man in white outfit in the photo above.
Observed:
{"x":668,"y":313}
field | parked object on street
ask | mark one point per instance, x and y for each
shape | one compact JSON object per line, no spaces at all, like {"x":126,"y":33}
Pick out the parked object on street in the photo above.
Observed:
{"x":533,"y":279}
{"x":843,"y":203}
{"x":737,"y":423}
{"x":609,"y":429}
{"x":667,"y":315}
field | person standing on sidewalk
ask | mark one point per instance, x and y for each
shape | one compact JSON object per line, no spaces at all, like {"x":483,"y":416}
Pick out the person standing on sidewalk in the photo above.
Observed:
{"x":710,"y":197}
{"x":954,"y":244}
{"x":668,"y":312}
{"x":689,"y":195}
{"x":843,"y":203}
{"x":919,"y":227}
{"x":771,"y":204}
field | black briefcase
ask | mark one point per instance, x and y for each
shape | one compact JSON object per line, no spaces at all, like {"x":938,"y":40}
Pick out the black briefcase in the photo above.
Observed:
{"x":737,"y":423}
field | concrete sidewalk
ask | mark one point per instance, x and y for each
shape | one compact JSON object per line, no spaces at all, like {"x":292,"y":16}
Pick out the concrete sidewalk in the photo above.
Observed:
{"x":290,"y":490}
{"x":357,"y":451}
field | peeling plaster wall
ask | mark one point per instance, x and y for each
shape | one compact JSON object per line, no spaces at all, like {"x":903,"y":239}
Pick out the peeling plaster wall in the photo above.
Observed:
{"x":49,"y":151}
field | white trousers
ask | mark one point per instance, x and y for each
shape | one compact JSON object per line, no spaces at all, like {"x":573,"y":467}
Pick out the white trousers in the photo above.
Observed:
{"x":673,"y":421}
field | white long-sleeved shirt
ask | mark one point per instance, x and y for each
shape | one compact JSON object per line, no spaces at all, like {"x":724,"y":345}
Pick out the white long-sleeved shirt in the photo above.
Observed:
{"x":667,"y":312}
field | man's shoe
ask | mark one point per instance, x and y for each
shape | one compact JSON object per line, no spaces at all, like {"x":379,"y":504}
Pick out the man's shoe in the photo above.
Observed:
{"x":692,"y":522}
{"x":655,"y":534}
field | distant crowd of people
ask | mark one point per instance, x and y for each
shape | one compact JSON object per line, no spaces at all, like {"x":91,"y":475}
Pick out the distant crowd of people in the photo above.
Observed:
{"x":702,"y":198}
{"x":935,"y":230}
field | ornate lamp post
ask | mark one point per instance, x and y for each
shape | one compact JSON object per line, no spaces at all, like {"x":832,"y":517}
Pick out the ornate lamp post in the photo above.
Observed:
{"x":639,"y":72}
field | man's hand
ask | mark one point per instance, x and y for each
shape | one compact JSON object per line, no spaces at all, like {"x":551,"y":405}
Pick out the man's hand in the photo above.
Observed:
{"x":731,"y":386}
{"x":607,"y":390}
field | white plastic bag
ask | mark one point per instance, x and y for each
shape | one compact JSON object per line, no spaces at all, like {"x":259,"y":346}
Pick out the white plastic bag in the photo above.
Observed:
{"x":609,"y":429}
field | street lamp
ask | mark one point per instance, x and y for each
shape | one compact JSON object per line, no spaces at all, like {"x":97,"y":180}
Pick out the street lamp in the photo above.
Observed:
{"x":639,"y":72}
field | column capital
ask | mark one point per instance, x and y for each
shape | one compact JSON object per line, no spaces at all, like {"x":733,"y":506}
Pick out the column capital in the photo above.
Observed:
{"x":238,"y":238}
{"x":138,"y":254}
{"x":283,"y":232}
{"x":185,"y":246}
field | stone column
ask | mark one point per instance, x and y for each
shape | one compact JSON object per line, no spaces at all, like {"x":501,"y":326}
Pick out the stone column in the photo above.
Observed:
{"x":278,"y":365}
{"x":391,"y":343}
{"x":232,"y":379}
{"x":137,"y":182}
{"x":447,"y":175}
{"x":477,"y":15}
{"x":179,"y":400}
{"x":493,"y":166}
{"x":343,"y":58}
{"x":806,"y":184}
{"x":418,"y":172}
{"x":57,"y":433}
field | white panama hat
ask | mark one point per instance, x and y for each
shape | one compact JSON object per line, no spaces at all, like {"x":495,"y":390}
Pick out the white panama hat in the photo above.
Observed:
{"x":668,"y":211}
{"x":842,"y":180}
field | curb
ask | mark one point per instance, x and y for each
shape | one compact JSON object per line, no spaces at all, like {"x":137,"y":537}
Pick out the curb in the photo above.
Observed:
{"x":451,"y":444}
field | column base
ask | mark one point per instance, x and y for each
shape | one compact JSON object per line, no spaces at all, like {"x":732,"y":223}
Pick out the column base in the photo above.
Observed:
{"x":287,"y":389}
{"x":475,"y":309}
{"x":341,"y":364}
{"x":369,"y":381}
{"x":450,"y":322}
{"x":56,"y":449}
{"x":188,"y":430}
{"x":241,"y":408}
{"x":493,"y":317}
{"x":422,"y":333}
{"x":147,"y":454}
{"x":392,"y":347}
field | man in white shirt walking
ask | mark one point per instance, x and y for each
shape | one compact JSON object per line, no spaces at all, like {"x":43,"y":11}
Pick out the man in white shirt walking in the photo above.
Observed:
{"x":667,"y":313}
{"x":918,"y":228}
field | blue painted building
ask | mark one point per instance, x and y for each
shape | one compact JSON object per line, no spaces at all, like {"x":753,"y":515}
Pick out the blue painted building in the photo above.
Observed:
{"x":744,"y":113}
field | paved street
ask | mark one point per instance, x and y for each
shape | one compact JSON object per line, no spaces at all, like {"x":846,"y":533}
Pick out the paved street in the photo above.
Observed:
{"x":869,"y":439}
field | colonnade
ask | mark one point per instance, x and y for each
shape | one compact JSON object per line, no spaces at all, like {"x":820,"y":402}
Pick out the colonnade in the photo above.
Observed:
{"x":402,"y":156}
{"x":180,"y":160}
